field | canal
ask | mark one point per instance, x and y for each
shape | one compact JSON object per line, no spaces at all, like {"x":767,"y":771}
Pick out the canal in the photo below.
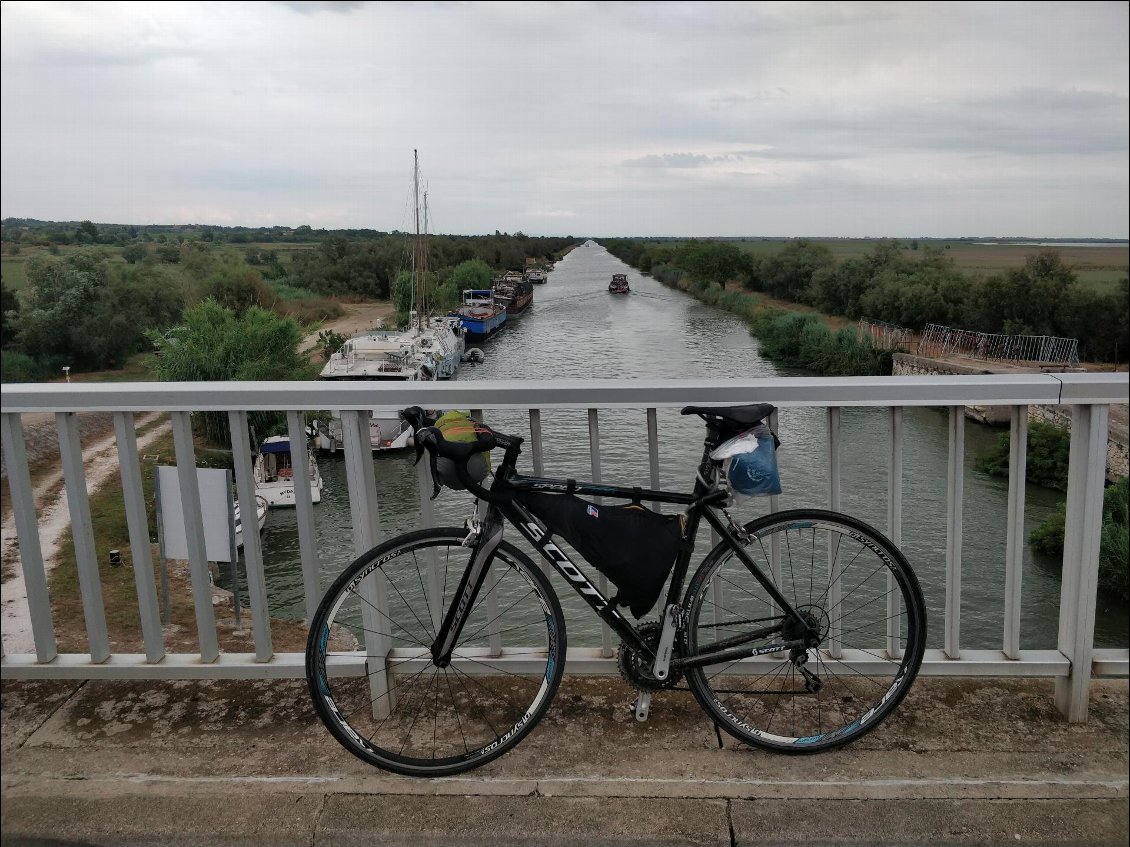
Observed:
{"x":575,"y":329}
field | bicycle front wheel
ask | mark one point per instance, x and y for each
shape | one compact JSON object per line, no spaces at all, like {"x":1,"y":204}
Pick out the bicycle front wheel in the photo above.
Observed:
{"x":858,"y":599}
{"x":372,"y":677}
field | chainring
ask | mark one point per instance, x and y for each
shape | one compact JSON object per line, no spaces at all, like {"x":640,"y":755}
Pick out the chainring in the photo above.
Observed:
{"x":635,"y":668}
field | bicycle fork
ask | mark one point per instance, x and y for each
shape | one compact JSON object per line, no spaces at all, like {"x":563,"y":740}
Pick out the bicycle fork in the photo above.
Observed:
{"x":489,"y":537}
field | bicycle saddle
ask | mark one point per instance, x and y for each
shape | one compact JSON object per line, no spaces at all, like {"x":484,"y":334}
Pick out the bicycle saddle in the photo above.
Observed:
{"x":744,"y":416}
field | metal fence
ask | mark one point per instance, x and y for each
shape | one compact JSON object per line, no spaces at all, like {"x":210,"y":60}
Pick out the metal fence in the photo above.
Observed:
{"x":1072,"y":664}
{"x":886,"y":336}
{"x":1022,"y":349}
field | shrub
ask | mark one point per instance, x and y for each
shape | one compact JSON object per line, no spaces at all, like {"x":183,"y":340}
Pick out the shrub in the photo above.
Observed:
{"x":20,"y":367}
{"x":1114,"y":545}
{"x":1049,"y":447}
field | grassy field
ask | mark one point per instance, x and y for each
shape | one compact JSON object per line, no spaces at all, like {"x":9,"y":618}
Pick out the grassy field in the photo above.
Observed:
{"x":1103,"y":267}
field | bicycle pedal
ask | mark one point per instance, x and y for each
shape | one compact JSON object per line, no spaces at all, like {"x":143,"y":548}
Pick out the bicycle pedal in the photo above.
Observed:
{"x":642,"y":706}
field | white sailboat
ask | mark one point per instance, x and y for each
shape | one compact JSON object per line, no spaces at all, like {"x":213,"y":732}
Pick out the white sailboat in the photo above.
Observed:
{"x":430,"y":348}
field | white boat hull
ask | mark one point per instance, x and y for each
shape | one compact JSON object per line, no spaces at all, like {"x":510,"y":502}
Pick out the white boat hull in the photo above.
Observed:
{"x":275,"y":477}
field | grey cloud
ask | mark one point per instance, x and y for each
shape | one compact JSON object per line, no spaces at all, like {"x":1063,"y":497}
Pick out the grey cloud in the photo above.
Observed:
{"x":313,"y":7}
{"x":689,"y":160}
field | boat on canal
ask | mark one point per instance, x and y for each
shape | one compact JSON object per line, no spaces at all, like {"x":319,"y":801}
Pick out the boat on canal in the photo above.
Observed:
{"x":260,"y":518}
{"x":480,"y":315}
{"x":536,"y":276}
{"x":387,"y":433}
{"x":425,"y":351}
{"x":274,"y":473}
{"x":619,"y":284}
{"x":513,"y":293}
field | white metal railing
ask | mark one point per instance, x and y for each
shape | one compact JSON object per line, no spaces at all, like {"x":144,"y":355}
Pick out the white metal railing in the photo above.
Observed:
{"x":1072,"y":664}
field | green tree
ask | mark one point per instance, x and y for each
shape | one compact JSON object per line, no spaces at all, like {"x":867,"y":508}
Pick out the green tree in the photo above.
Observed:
{"x":216,"y":344}
{"x":789,"y":272}
{"x":471,"y":274}
{"x":238,"y":288}
{"x":1028,"y":300}
{"x":135,"y":253}
{"x":87,"y":233}
{"x":9,"y":315}
{"x":169,"y":253}
{"x":329,"y":342}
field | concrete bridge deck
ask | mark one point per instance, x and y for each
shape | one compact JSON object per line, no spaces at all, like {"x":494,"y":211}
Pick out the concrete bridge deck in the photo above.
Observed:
{"x":222,"y":763}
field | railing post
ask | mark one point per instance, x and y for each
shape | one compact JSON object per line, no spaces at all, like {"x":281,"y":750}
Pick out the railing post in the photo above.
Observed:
{"x":535,"y":442}
{"x":594,"y":460}
{"x":304,"y":511}
{"x":361,"y":479}
{"x":27,"y":531}
{"x":140,"y":549}
{"x":490,"y":603}
{"x":194,"y":537}
{"x":82,"y":534}
{"x":424,"y":487}
{"x":1014,"y":543}
{"x":835,"y":644}
{"x":1086,"y":476}
{"x":653,"y":453}
{"x":894,"y":529}
{"x":954,"y":497}
{"x":252,"y":549}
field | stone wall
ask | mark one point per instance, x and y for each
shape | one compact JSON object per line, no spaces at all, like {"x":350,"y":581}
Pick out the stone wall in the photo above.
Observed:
{"x":1117,"y":452}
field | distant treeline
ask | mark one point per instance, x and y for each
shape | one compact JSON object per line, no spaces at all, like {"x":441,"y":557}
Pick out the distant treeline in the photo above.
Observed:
{"x":368,"y":268}
{"x":32,"y":232}
{"x":91,"y":308}
{"x":910,"y":288}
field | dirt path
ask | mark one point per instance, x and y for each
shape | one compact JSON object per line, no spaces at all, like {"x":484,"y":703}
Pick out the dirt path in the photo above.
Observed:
{"x":100,"y":460}
{"x":358,"y":318}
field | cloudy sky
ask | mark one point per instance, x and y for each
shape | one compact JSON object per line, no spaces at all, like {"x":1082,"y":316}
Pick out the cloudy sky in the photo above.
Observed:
{"x":607,"y":119}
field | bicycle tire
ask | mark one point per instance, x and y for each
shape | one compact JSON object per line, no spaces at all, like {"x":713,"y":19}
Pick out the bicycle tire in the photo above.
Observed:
{"x":871,"y":623}
{"x":404,"y":713}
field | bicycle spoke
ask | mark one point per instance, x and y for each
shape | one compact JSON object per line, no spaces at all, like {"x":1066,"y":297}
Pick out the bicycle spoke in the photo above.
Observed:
{"x":386,"y":617}
{"x":811,"y":700}
{"x":470,"y":703}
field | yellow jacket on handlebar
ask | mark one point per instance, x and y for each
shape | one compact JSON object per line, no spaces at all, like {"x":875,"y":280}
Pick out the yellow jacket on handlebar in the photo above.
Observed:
{"x":459,"y":426}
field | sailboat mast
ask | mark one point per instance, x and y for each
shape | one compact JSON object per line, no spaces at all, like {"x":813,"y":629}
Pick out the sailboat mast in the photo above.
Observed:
{"x":417,"y":289}
{"x":425,"y":288}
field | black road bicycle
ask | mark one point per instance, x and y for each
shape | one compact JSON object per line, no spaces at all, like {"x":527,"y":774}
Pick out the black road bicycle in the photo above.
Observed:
{"x":798,"y":633}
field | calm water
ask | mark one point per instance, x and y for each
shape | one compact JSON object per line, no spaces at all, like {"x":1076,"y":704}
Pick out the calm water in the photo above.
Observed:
{"x":575,"y":329}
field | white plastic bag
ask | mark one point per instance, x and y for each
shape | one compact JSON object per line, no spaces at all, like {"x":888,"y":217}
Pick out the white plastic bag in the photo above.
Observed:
{"x":751,"y":463}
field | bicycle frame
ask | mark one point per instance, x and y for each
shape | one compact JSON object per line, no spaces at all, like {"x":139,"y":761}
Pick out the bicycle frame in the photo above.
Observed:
{"x":699,"y":504}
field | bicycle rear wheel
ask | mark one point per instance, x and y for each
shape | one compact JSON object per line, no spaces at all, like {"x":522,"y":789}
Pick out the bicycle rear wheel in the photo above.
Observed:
{"x":370,"y":670}
{"x":853,"y":588}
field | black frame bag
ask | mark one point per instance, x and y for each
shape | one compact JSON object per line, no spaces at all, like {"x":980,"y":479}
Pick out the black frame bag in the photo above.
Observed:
{"x":631,"y":545}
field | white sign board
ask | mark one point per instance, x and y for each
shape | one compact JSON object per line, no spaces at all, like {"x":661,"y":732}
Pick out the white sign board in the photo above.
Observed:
{"x":215,"y":499}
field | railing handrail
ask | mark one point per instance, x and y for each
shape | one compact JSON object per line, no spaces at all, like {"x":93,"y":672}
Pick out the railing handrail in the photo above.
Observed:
{"x":942,"y":390}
